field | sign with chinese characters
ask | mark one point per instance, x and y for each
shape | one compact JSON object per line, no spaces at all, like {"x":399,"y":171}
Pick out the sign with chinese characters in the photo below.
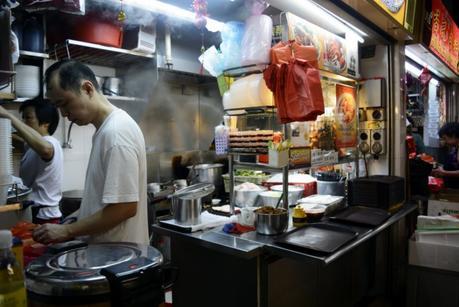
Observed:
{"x":321,"y":157}
{"x":444,"y":41}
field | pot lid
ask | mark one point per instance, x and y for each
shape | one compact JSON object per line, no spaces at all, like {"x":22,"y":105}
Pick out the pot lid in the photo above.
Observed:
{"x":195,"y":191}
{"x":78,"y":271}
{"x":205,"y":166}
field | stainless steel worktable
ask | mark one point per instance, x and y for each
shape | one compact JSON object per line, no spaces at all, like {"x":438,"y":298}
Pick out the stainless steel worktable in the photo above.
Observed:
{"x":252,"y":244}
{"x":258,"y":272}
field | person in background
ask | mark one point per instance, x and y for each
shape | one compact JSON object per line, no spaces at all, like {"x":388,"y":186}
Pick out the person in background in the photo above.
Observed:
{"x":42,"y":165}
{"x":114,"y":203}
{"x":449,"y":133}
{"x":418,"y":141}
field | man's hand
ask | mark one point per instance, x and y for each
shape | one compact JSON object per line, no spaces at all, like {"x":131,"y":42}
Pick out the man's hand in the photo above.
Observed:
{"x":438,"y":172}
{"x":51,"y":233}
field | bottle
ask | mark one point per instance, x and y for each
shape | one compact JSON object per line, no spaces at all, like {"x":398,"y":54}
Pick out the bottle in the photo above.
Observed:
{"x":12,"y":289}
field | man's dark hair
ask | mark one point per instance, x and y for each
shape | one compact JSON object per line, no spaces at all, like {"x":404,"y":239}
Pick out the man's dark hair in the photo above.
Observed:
{"x":45,"y":112}
{"x":449,"y":130}
{"x":70,"y":74}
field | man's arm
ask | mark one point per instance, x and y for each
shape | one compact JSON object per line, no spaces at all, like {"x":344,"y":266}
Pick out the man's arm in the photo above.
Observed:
{"x":42,"y":147}
{"x":440,"y":172}
{"x":101,"y":221}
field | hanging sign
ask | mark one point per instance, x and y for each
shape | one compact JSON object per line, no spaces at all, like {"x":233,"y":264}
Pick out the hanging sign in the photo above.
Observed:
{"x":395,"y":8}
{"x":345,"y":117}
{"x":334,"y":53}
{"x":444,"y":41}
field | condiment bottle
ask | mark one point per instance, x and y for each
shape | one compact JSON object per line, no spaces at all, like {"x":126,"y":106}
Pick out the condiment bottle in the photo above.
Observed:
{"x":12,"y":289}
{"x":298,"y":216}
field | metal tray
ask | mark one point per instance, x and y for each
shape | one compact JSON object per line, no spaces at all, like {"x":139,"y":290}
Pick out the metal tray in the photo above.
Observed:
{"x":319,"y":237}
{"x":362,"y":216}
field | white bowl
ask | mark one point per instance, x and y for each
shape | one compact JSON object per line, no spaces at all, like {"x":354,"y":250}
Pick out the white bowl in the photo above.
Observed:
{"x":270,"y":198}
{"x":294,"y":193}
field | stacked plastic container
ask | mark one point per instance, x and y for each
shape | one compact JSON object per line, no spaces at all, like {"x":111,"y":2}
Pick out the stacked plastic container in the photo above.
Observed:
{"x":6,"y":160}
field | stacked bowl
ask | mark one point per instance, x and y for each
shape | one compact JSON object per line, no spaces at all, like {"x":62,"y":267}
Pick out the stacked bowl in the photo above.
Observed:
{"x":6,"y":160}
{"x":27,"y":81}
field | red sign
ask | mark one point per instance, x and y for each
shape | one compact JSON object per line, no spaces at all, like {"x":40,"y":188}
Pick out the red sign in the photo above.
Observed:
{"x":445,"y":36}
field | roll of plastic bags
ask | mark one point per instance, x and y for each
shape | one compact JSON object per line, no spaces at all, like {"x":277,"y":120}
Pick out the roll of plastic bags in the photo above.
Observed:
{"x":256,"y":43}
{"x":231,"y":44}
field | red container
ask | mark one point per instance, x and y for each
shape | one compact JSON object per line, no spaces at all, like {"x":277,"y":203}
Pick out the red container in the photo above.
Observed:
{"x":100,"y":32}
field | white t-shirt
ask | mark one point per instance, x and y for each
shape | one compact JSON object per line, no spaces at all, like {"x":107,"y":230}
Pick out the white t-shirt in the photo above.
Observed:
{"x":45,"y":179}
{"x":117,"y":173}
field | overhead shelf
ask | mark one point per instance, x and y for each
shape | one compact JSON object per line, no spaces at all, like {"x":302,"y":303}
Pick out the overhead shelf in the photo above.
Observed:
{"x":97,"y":54}
{"x":242,"y":71}
{"x":31,"y":54}
{"x":266,"y":167}
{"x":423,"y":56}
{"x":126,"y":99}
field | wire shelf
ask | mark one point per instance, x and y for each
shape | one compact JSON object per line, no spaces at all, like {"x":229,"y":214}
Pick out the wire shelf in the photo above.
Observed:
{"x":97,"y":54}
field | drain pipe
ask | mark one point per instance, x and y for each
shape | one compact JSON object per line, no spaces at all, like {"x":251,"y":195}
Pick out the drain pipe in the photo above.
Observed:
{"x":167,"y":46}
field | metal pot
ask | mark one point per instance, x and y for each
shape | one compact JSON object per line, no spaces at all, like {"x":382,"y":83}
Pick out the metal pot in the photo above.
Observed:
{"x":207,"y":173}
{"x":271,"y":224}
{"x":187,"y":203}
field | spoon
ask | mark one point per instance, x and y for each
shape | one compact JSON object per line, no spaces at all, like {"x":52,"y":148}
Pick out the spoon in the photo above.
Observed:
{"x":279,"y":200}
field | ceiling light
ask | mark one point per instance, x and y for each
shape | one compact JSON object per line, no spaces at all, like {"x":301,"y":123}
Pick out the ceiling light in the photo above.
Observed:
{"x":416,"y":59}
{"x":412,"y":69}
{"x":319,"y":16}
{"x":173,"y":12}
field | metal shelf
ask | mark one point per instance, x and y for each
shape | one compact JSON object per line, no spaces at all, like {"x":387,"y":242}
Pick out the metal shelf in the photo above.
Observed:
{"x":261,"y":166}
{"x":236,"y":72}
{"x":126,"y":99}
{"x":269,"y":110}
{"x":31,"y":54}
{"x":97,"y":54}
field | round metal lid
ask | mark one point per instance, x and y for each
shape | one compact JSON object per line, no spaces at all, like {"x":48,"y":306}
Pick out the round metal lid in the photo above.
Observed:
{"x":205,"y":166}
{"x":77,"y":271}
{"x":195,"y":191}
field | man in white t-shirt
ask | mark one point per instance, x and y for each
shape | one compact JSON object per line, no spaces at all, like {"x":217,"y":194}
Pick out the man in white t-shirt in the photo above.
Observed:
{"x":41,"y":166}
{"x":114,"y":204}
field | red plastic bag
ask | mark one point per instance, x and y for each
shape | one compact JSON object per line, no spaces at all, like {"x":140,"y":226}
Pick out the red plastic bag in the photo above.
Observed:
{"x":295,"y":81}
{"x":435,"y":184}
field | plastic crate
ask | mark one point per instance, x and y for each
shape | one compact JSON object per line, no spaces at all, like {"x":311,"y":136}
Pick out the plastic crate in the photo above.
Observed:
{"x":241,"y":179}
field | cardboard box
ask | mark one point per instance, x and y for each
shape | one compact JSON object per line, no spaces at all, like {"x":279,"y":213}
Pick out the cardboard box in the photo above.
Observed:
{"x":442,"y":207}
{"x":431,"y":255}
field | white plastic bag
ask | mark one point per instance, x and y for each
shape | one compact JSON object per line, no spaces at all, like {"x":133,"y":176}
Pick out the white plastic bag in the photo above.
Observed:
{"x":256,"y":42}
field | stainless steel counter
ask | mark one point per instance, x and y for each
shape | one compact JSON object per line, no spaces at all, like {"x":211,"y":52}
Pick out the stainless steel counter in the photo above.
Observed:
{"x":251,"y":244}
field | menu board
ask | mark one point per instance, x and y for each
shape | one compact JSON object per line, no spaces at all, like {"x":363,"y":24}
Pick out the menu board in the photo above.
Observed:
{"x":334,"y":53}
{"x":345,"y":117}
{"x":395,"y":8}
{"x":444,"y":41}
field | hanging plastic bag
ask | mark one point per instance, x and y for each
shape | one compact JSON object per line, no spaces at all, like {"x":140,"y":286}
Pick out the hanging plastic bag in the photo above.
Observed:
{"x":295,"y":82}
{"x":256,"y":42}
{"x":230,"y":47}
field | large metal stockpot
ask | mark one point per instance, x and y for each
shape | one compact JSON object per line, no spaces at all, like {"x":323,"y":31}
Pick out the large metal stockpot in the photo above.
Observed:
{"x":102,"y":274}
{"x":207,"y":173}
{"x":187,"y":203}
